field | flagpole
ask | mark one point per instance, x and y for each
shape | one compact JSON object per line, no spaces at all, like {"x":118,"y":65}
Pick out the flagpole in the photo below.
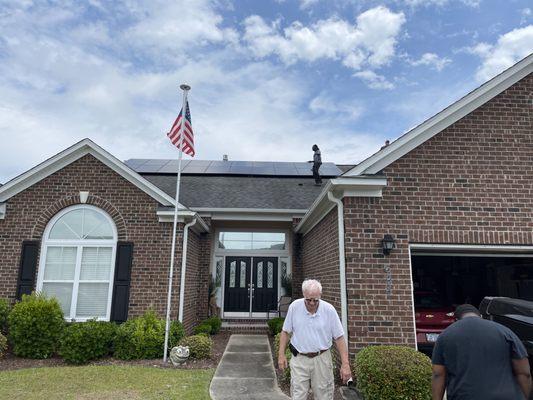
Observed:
{"x":185,"y":89}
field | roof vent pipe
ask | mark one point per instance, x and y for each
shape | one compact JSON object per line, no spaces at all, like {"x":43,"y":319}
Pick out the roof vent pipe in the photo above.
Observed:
{"x":225,"y":157}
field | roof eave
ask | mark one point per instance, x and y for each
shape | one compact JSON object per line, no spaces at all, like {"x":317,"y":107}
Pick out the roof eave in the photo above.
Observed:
{"x":73,"y":153}
{"x":443,"y":119}
{"x":184,"y":216}
{"x":341,"y":187}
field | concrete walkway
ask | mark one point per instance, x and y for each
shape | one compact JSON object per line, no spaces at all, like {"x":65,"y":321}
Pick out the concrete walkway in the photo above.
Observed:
{"x":246,"y":371}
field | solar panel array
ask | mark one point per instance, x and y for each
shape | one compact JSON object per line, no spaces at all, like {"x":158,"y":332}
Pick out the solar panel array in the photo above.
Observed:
{"x":206,"y":167}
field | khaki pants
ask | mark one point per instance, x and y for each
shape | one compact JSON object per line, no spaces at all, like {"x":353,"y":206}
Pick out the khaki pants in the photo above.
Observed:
{"x":316,"y":373}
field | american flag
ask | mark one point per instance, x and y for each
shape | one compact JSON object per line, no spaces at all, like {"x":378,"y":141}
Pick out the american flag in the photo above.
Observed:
{"x":175,"y":135}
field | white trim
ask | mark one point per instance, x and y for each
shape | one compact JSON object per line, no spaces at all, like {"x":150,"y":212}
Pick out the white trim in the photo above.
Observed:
{"x":468,"y":247}
{"x":252,"y":217}
{"x":443,"y":119}
{"x":250,"y":214}
{"x":461,"y":254}
{"x":183,"y":216}
{"x":251,"y":210}
{"x":360,"y":186}
{"x":73,"y":153}
{"x":412,"y":296}
{"x":79,"y":244}
{"x":251,"y":253}
{"x":2,"y":210}
{"x":342,"y":264}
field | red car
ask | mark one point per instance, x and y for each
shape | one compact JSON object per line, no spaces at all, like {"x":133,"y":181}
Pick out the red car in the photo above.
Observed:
{"x":431,"y":318}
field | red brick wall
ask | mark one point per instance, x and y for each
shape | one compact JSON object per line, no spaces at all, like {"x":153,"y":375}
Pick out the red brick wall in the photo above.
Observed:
{"x":320,"y":257}
{"x":197,"y":280}
{"x":133,"y":211}
{"x":470,"y":184}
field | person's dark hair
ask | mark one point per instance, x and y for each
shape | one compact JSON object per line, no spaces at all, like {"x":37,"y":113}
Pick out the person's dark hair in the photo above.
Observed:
{"x":463,"y":309}
{"x":315,"y":147}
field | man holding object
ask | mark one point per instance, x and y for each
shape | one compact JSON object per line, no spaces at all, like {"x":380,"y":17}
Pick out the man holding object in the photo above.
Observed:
{"x":314,"y":324}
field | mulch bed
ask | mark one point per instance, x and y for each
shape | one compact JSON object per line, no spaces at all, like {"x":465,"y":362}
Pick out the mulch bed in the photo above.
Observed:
{"x":220,"y":340}
{"x":286,"y":386}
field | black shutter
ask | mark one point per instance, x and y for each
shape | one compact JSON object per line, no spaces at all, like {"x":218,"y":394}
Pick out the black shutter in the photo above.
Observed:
{"x":28,"y":267}
{"x":121,"y":285}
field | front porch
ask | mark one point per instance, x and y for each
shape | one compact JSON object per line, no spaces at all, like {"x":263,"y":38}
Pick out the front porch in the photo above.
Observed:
{"x":250,"y":271}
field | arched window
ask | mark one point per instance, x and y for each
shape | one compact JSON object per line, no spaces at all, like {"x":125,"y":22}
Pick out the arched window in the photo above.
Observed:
{"x":78,"y":260}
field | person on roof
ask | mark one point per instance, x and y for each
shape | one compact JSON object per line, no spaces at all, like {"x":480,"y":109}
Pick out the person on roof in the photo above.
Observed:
{"x":317,"y":162}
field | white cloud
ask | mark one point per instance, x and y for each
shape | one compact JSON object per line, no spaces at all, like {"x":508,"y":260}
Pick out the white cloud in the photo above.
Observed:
{"x":417,"y":3}
{"x":307,"y":3}
{"x":65,"y":76}
{"x":509,"y":49}
{"x":374,"y":81}
{"x":526,"y":14}
{"x":173,"y":26}
{"x":328,"y":106}
{"x":370,"y":42}
{"x":431,"y":60}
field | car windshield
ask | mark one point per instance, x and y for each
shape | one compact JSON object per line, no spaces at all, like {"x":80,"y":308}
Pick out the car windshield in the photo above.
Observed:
{"x":428,"y":300}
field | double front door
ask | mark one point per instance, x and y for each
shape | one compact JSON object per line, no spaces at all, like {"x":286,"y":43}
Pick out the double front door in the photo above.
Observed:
{"x":250,"y":284}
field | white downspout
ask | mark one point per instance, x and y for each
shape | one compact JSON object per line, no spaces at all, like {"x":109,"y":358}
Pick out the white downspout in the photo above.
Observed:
{"x":184,"y":266}
{"x":342,"y":263}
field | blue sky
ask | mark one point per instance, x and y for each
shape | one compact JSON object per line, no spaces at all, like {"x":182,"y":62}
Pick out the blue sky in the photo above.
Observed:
{"x":269,"y":78}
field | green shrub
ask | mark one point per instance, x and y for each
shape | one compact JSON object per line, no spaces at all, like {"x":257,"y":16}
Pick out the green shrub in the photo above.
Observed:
{"x":393,"y":372}
{"x":3,"y":345}
{"x":200,"y":346}
{"x":35,"y":326}
{"x":275,"y":325}
{"x":85,"y":341}
{"x":4,"y":312}
{"x":215,"y":323}
{"x":286,"y":375}
{"x":144,"y":337}
{"x":203,"y":328}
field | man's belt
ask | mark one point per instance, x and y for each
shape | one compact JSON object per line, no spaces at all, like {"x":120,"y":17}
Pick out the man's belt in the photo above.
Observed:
{"x":310,"y":355}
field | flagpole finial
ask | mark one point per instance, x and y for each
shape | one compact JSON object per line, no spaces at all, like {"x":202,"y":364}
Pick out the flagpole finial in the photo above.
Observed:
{"x":185,"y":87}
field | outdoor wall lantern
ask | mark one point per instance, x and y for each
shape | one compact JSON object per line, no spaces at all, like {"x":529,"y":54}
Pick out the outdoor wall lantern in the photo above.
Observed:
{"x":388,"y":244}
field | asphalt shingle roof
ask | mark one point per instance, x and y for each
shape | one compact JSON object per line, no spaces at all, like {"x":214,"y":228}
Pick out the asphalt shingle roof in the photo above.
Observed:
{"x":240,"y":191}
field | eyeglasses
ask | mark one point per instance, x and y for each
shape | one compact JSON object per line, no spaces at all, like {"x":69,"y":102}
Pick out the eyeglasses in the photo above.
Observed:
{"x":312,"y":300}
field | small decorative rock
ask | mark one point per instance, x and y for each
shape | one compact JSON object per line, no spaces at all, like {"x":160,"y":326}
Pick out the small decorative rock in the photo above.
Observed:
{"x":179,"y":355}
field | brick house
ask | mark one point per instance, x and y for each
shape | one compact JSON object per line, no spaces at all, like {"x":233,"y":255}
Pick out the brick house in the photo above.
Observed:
{"x":452,"y":197}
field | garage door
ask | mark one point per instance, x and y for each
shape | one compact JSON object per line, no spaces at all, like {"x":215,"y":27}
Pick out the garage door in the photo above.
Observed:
{"x":466,"y":277}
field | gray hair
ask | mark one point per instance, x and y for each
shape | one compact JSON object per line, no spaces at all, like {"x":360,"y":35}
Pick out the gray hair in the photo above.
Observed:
{"x":311,"y":284}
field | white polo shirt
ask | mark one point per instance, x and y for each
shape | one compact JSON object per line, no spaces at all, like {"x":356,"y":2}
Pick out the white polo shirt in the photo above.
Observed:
{"x":312,"y":332}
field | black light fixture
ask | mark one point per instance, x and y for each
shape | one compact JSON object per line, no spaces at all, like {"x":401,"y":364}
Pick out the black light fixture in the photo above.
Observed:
{"x":388,"y":244}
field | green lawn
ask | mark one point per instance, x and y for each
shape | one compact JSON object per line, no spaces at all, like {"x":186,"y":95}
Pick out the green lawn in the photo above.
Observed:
{"x":105,"y":382}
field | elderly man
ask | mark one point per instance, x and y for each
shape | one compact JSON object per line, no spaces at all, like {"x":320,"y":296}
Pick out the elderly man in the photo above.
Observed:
{"x":314,"y":324}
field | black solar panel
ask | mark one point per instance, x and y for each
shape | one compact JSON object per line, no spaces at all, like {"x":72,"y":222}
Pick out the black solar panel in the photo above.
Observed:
{"x":231,"y":167}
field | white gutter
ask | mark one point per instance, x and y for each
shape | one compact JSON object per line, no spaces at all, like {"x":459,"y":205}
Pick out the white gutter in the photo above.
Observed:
{"x":168,"y":216}
{"x":342,"y":263}
{"x":184,"y":266}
